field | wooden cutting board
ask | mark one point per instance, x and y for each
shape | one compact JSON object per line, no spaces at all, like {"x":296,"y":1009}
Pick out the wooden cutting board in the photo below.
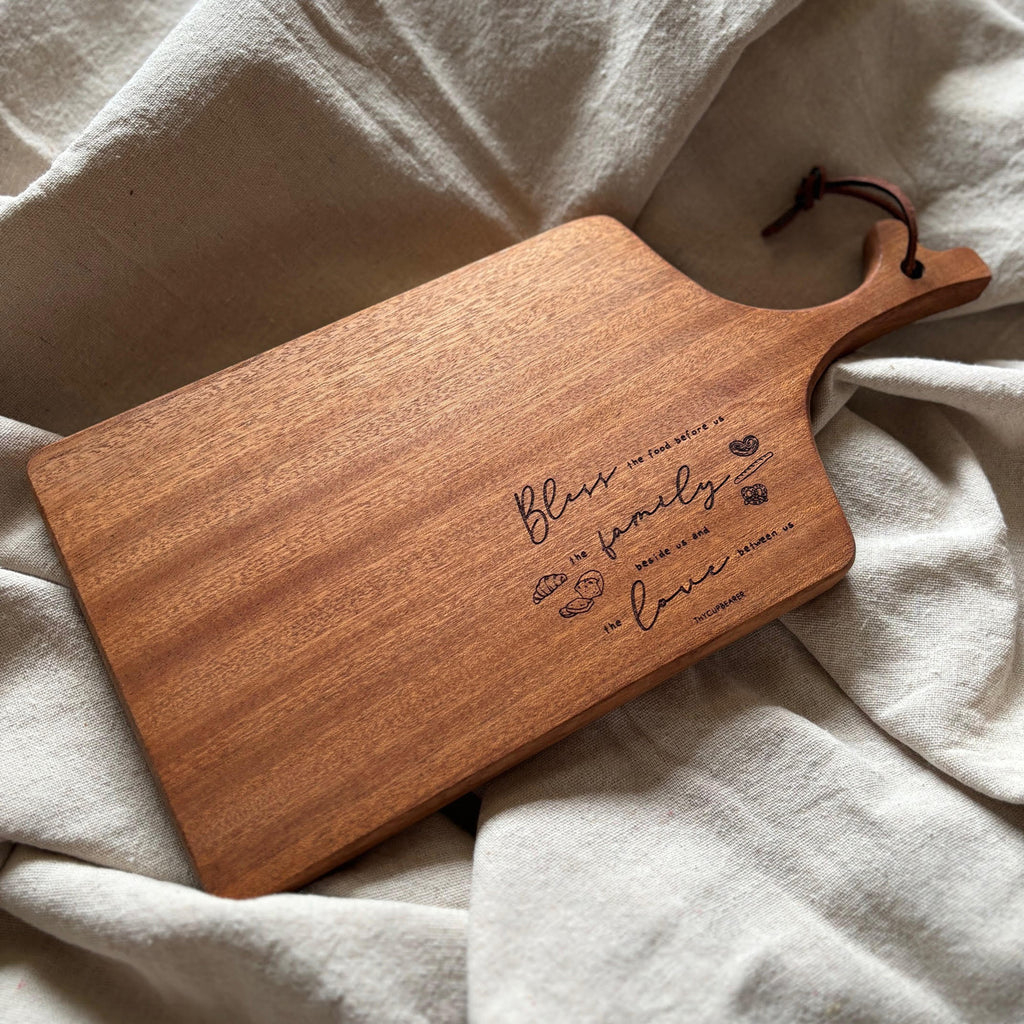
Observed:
{"x":344,"y":582}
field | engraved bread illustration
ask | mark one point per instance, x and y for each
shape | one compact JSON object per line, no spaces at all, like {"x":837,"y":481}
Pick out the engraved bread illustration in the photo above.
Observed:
{"x":755,"y":494}
{"x":590,"y":584}
{"x":744,"y":447}
{"x":548,"y":585}
{"x":753,"y":467}
{"x":577,"y":606}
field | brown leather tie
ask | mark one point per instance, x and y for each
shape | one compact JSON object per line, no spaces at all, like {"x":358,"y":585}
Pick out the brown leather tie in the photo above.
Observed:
{"x":891,"y":199}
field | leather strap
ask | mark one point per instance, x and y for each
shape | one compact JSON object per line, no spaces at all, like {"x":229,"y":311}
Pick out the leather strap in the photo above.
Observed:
{"x":873,"y":190}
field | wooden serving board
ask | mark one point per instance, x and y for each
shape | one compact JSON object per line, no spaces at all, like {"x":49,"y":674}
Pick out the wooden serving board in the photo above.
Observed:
{"x":341,"y":583}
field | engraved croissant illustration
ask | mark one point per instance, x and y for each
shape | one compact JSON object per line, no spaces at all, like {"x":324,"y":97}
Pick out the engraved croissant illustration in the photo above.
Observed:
{"x":548,"y":585}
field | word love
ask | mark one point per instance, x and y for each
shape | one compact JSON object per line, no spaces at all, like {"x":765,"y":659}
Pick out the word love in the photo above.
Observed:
{"x":706,"y":489}
{"x":638,"y":596}
{"x":538,"y":516}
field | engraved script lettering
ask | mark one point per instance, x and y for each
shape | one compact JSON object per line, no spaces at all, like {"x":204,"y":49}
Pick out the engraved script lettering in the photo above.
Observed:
{"x":538,"y":518}
{"x":707,"y":488}
{"x":638,"y":595}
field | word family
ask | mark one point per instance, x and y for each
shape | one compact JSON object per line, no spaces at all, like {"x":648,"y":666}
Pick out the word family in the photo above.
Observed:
{"x":705,"y":490}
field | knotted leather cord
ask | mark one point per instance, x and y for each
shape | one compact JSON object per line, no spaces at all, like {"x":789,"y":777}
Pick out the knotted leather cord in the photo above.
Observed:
{"x":892,"y":200}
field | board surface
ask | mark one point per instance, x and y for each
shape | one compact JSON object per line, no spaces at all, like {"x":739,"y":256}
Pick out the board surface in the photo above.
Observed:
{"x":345,"y":581}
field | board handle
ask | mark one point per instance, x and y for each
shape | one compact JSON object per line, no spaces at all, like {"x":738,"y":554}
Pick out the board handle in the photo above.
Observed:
{"x":888,"y":298}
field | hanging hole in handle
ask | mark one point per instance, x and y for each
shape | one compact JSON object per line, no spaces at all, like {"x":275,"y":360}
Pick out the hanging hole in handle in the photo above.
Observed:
{"x":891,"y":199}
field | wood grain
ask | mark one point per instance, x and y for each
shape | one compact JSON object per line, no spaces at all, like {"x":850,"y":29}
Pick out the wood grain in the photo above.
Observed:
{"x":313,"y":575}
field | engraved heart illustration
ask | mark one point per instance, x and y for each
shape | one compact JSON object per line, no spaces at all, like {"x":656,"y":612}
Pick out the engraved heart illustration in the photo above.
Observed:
{"x":745,"y":448}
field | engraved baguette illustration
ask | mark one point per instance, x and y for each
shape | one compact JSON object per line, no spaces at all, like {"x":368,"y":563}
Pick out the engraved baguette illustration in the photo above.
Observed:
{"x":752,"y":468}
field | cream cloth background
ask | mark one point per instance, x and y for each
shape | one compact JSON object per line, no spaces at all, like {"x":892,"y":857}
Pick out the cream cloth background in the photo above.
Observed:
{"x":823,"y":821}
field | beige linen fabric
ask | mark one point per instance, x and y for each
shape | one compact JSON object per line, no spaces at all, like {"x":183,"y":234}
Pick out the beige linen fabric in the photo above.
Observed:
{"x":822,"y":822}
